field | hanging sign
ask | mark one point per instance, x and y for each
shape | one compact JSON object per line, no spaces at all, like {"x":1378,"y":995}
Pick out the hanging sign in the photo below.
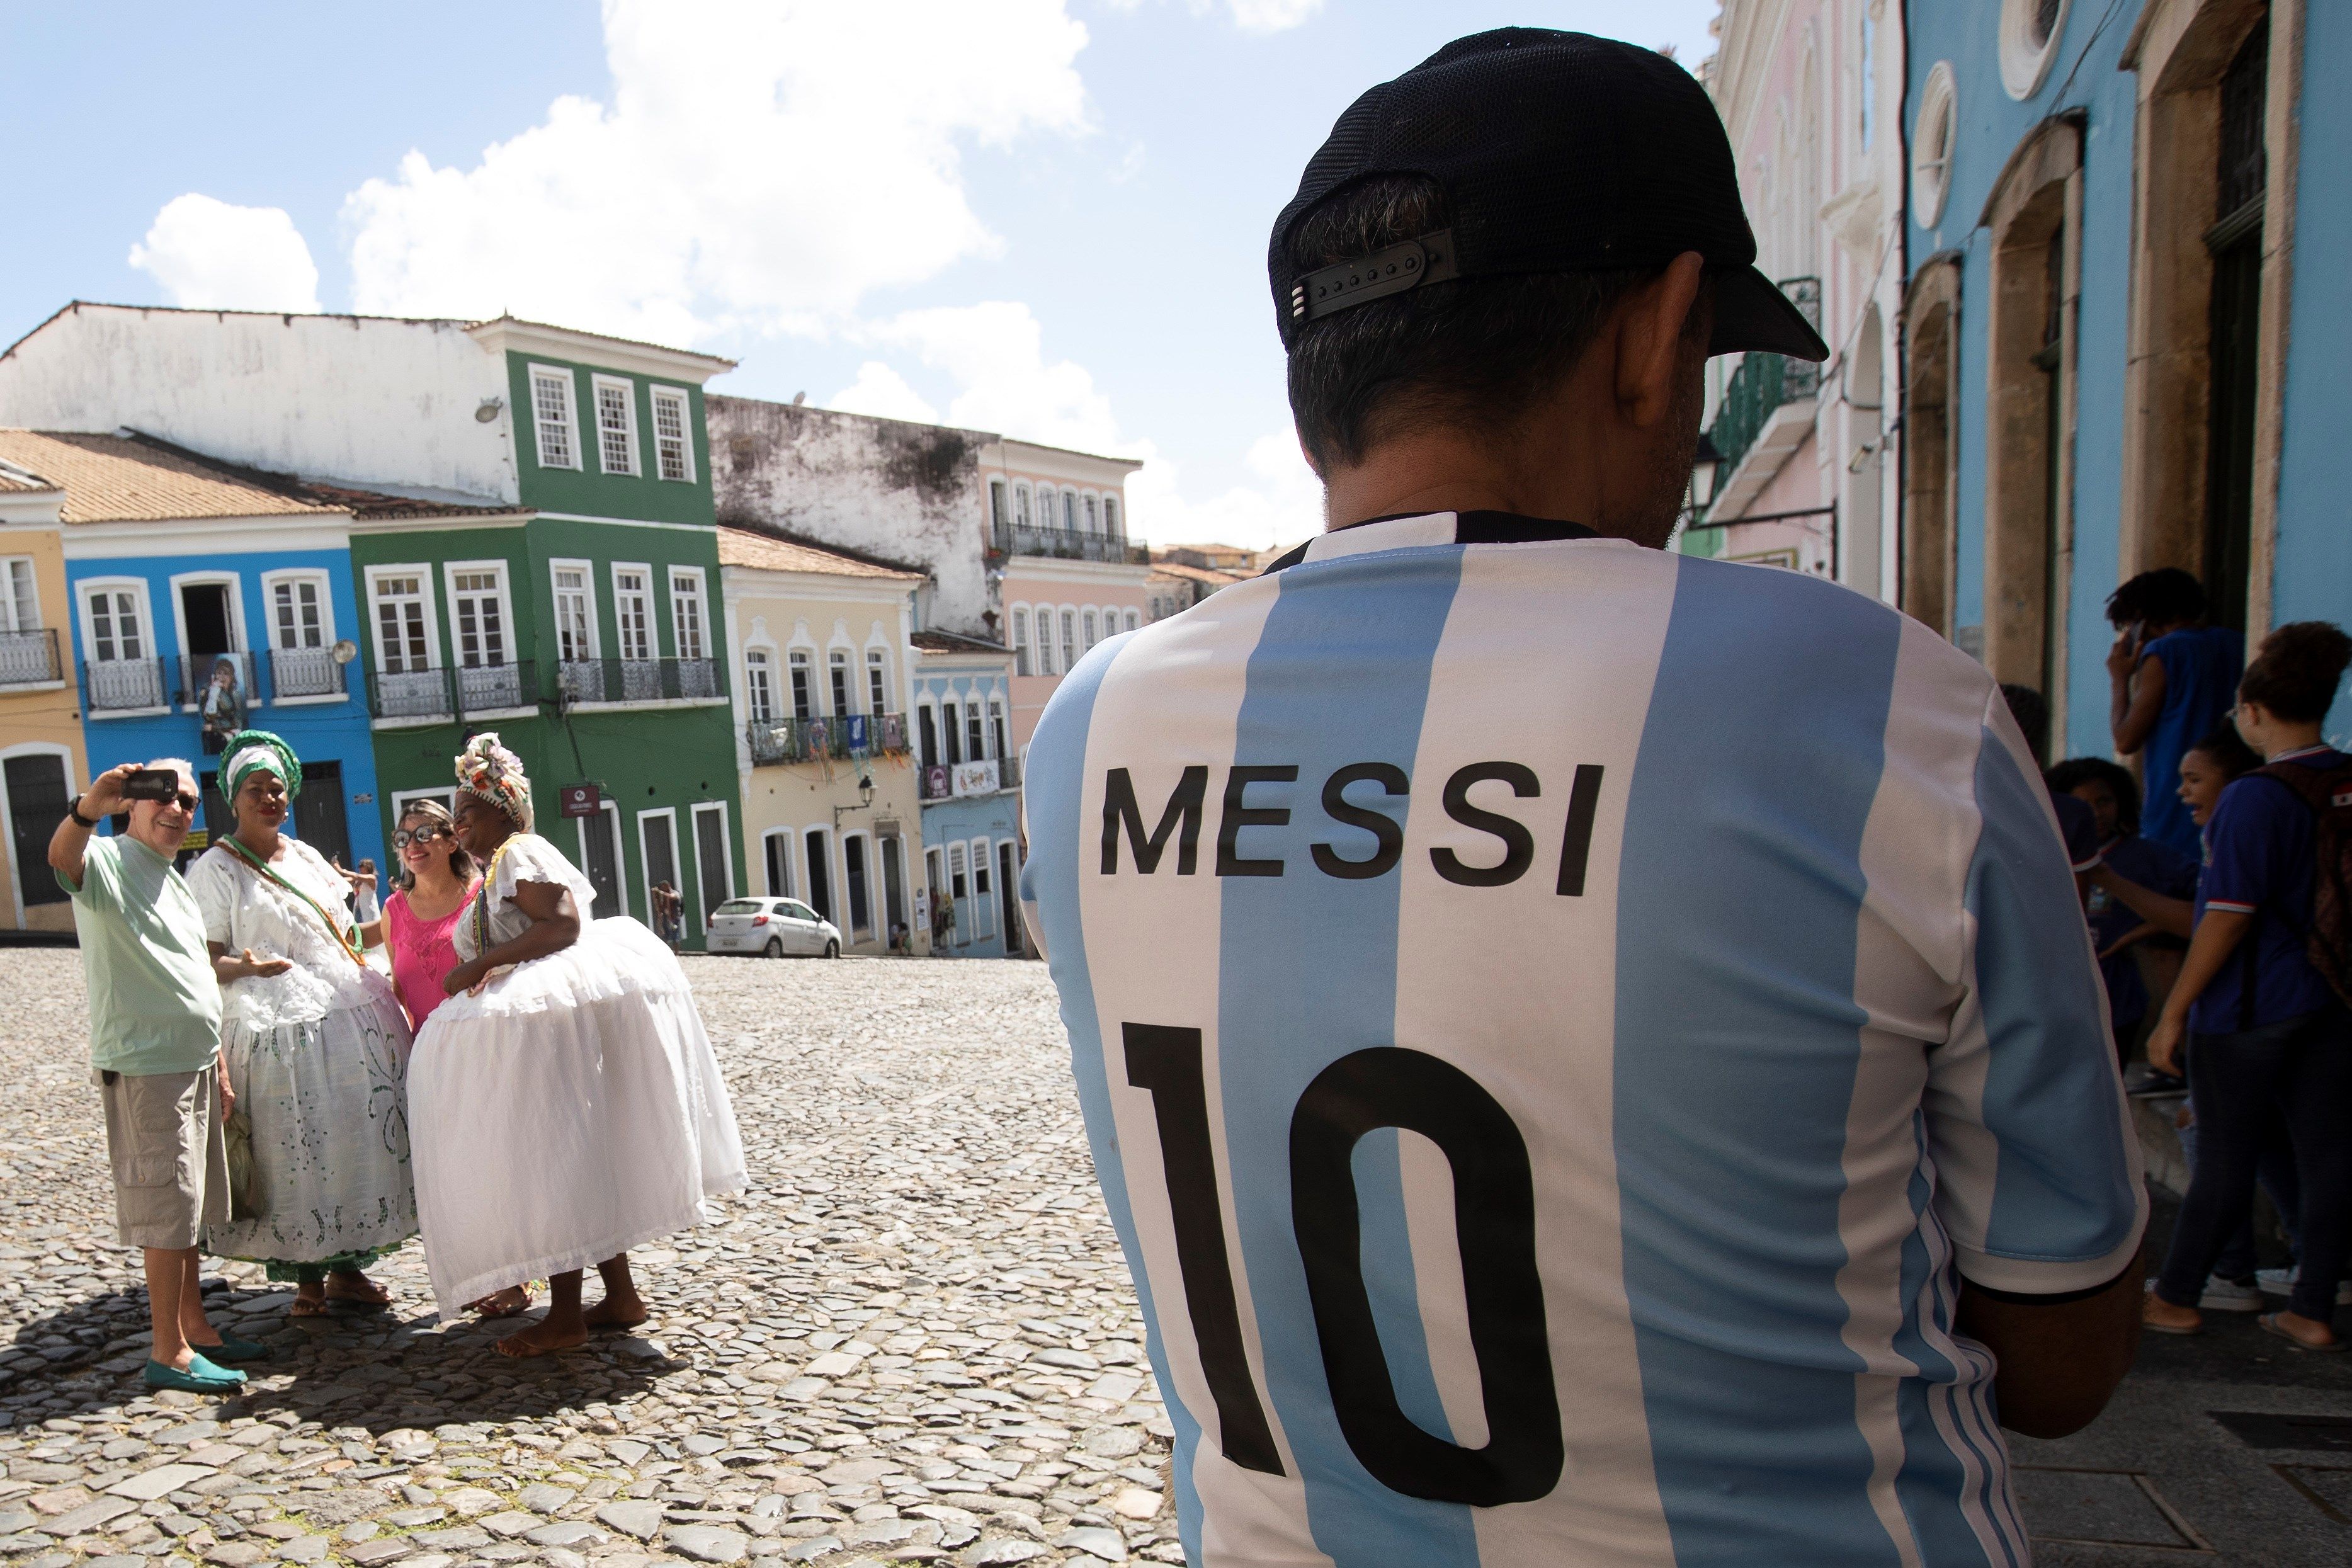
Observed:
{"x":582,"y":800}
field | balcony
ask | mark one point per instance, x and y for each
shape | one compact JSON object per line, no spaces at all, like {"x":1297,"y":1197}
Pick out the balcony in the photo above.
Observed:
{"x":490,"y":687}
{"x":776,"y":741}
{"x":411,"y":694}
{"x":1064,"y":545}
{"x":29,"y":658}
{"x":111,"y":686}
{"x":986,"y":776}
{"x":1762,"y":386}
{"x":304,"y":672}
{"x":639,"y":680}
{"x":446,"y":695}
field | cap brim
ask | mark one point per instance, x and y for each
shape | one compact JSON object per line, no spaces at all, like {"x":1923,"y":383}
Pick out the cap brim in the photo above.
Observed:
{"x":1752,"y":316}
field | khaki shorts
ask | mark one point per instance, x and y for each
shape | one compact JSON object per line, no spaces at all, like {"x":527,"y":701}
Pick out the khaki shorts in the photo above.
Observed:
{"x":164,"y":1138}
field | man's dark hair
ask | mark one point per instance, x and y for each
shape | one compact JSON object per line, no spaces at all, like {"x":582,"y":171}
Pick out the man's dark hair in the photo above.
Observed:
{"x":2229,"y":750}
{"x":2032,"y":715}
{"x":2073,"y":771}
{"x":2165,"y":597}
{"x":2297,"y":671}
{"x":1474,"y":353}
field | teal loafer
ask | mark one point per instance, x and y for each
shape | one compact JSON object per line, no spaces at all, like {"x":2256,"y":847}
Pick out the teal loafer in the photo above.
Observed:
{"x":233,"y":1349}
{"x":200,"y":1377}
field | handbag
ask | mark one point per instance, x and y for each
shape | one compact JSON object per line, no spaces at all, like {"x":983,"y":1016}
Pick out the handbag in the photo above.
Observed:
{"x":244,"y":1194}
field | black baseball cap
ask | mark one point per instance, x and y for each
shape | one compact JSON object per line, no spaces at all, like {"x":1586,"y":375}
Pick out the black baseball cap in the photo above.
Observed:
{"x":1559,"y":153}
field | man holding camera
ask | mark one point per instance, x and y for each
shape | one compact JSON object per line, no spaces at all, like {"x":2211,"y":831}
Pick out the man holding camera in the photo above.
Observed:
{"x":154,"y":1047}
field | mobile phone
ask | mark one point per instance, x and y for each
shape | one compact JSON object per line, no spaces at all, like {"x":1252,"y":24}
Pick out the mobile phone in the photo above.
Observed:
{"x":152,"y":784}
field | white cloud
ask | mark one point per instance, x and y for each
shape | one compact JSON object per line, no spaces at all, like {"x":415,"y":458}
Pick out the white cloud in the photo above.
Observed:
{"x":883,"y":393}
{"x":758,"y":166}
{"x":209,"y":255}
{"x":1271,"y":15}
{"x":1285,"y":506}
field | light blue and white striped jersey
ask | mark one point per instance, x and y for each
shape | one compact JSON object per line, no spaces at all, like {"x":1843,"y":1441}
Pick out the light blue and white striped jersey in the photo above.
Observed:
{"x":1551,"y":1018}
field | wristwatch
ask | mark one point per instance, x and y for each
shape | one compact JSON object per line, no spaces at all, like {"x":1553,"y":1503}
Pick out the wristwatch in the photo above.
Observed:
{"x":73,"y":809}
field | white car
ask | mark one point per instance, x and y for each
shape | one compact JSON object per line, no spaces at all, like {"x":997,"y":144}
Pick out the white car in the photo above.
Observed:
{"x":774,"y":928}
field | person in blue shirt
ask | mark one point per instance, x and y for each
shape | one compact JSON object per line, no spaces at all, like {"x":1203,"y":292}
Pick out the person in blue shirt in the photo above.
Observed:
{"x":2173,"y":679}
{"x":2268,"y":1034}
{"x":2112,"y":797}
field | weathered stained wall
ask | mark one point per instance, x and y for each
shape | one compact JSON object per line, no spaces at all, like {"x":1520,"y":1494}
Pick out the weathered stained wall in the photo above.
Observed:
{"x":398,"y":398}
{"x":909,"y":492}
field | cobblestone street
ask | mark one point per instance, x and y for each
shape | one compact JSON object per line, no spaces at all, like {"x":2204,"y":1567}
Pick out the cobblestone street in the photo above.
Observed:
{"x":913,"y":1338}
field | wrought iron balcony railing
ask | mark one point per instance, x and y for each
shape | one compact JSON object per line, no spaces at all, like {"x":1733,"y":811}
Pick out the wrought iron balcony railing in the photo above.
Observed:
{"x":1763,"y":382}
{"x":304,"y":672}
{"x":411,"y":694}
{"x":638,"y":680}
{"x":452,"y":694}
{"x":774,"y":741}
{"x":126,"y":685}
{"x":29,"y":658}
{"x":1065,"y":544}
{"x":486,"y":688}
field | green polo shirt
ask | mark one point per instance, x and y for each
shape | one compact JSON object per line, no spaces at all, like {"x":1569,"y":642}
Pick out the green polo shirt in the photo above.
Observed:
{"x":154,"y":1005}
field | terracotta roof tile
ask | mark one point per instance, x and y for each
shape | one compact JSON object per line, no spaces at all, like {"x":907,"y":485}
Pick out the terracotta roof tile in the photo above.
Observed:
{"x":767,"y":552}
{"x":110,"y":479}
{"x":954,"y":642}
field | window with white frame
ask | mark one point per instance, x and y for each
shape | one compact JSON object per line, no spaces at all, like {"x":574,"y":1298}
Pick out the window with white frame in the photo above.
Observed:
{"x":1089,"y":624}
{"x":803,"y":694}
{"x":20,"y":598}
{"x":297,"y":613}
{"x":118,"y":625}
{"x":403,"y":642}
{"x":983,"y":917}
{"x":551,"y":408}
{"x":1021,"y":506}
{"x":673,"y":435}
{"x":477,"y":611}
{"x":686,"y":611}
{"x":1046,"y":514}
{"x":1070,"y":511}
{"x":975,"y":740}
{"x":951,"y":733}
{"x":838,"y":667}
{"x":996,"y":725}
{"x":877,"y":681}
{"x":758,"y":687}
{"x":633,"y":607}
{"x":1094,"y":515}
{"x":1069,"y":640}
{"x":1111,"y":516}
{"x":616,"y":425}
{"x":1132,"y":620}
{"x":1021,"y":642}
{"x":998,"y":516}
{"x":575,"y":613}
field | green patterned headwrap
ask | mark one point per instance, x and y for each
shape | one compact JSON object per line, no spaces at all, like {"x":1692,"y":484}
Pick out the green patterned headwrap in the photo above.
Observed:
{"x":251,"y":751}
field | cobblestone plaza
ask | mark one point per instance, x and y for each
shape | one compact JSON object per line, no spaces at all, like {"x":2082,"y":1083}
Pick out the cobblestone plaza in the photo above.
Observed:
{"x":913,"y":1339}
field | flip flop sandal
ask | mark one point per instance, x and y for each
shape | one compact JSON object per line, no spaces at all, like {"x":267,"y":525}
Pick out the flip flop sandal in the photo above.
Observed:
{"x":304,"y":1307}
{"x":2270,"y":1325}
{"x":482,"y":1307}
{"x":351,"y":1302}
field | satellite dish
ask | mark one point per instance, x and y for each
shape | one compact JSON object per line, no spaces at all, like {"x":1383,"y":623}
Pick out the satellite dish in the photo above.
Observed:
{"x":345,"y":652}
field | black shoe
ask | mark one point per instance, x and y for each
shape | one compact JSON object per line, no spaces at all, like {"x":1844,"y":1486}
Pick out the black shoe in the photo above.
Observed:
{"x":2148,"y":1083}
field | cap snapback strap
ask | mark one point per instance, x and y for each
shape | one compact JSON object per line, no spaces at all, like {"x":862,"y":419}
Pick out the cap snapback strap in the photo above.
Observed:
{"x":1429,"y":259}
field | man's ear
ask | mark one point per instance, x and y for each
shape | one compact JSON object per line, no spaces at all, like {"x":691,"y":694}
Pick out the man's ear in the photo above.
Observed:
{"x":1649,"y":340}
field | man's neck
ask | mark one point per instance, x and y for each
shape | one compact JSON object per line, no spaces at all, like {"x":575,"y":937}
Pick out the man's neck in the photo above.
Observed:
{"x":2287,"y":742}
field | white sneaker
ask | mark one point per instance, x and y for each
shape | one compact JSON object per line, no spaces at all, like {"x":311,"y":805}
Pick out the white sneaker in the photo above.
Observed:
{"x":2280,"y":1282}
{"x":2228,"y":1296}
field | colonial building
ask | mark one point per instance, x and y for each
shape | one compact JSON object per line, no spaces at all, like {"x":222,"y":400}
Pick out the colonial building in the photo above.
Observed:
{"x":972,"y":802}
{"x":201,"y":600}
{"x":42,"y":762}
{"x":1804,"y":473}
{"x":2124,"y":347}
{"x":530,"y":536}
{"x":831,"y":794}
{"x":1184,"y":576}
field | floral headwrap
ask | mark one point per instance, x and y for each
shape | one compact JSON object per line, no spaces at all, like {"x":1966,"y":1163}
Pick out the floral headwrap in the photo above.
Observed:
{"x":487,"y":771}
{"x":251,"y":751}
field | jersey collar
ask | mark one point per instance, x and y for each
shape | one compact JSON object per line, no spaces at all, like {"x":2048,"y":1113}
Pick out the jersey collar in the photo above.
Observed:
{"x":1407,"y":530}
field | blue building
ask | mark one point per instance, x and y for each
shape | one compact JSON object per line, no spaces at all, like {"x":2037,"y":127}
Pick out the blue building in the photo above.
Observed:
{"x":201,"y":600}
{"x":972,"y":797}
{"x":2124,"y":343}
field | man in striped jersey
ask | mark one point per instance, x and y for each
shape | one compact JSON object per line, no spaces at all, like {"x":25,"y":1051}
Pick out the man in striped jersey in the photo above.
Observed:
{"x":1592,"y":1054}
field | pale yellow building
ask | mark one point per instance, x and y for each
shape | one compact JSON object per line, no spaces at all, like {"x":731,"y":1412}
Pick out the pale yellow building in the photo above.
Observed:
{"x":832,"y":808}
{"x":42,"y":765}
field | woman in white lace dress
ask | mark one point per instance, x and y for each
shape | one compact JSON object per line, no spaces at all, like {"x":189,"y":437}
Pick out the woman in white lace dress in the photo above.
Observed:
{"x":315,"y":1043}
{"x":566,"y":1102}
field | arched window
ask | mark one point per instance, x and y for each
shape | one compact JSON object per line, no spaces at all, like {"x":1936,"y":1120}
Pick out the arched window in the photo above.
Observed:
{"x":837,"y":664}
{"x":1070,"y":510}
{"x":803,"y":688}
{"x":759,"y":685}
{"x":1131,"y":619}
{"x":1111,"y":516}
{"x":1021,"y":641}
{"x":1094,"y":515}
{"x":1045,"y":507}
{"x":1069,"y":639}
{"x":877,"y":681}
{"x":1087,"y":620}
{"x":1021,"y":506}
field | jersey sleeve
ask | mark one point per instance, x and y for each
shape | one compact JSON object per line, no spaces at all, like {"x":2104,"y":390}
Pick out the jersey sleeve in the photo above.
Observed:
{"x":2244,"y":834}
{"x":2038,"y":1174}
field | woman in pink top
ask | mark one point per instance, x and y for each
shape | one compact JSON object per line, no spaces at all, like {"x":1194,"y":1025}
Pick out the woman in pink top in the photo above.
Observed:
{"x":437,"y":883}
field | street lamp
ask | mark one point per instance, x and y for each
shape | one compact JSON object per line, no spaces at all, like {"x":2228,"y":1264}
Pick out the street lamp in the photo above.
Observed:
{"x":865,"y":798}
{"x":1707,"y":467}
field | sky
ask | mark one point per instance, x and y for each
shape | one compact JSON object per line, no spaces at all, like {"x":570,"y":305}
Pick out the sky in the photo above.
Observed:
{"x":1046,"y":218}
